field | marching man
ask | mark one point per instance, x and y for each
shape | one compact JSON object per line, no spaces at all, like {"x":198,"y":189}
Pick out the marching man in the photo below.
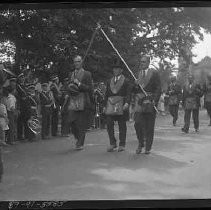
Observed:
{"x":117,"y":99}
{"x":145,"y":112}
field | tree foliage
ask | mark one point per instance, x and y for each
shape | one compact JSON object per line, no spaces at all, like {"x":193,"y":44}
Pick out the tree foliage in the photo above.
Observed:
{"x":42,"y":37}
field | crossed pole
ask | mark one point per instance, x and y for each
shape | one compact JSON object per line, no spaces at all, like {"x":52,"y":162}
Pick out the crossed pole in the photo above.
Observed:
{"x":114,"y":48}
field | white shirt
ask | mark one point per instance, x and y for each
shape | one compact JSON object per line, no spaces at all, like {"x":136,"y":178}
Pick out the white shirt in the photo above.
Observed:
{"x":146,"y":70}
{"x":11,"y":102}
{"x":116,"y":78}
{"x":3,"y":122}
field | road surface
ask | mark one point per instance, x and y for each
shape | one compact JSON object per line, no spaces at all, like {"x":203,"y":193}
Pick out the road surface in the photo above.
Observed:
{"x":177,"y":168}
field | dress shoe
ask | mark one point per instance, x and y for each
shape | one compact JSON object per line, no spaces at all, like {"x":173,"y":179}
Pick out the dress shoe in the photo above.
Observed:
{"x":79,"y":148}
{"x":138,"y":150}
{"x":111,"y":148}
{"x":121,"y":148}
{"x":11,"y":143}
{"x":2,"y":143}
{"x":147,"y":152}
{"x":184,"y":130}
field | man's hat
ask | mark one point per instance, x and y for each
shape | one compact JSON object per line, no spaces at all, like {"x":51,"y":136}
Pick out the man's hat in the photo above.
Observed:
{"x":13,"y":79}
{"x":20,"y":75}
{"x":66,"y":79}
{"x":30,"y":87}
{"x":73,"y":89}
{"x":117,"y":63}
{"x":53,"y":77}
{"x":44,"y":83}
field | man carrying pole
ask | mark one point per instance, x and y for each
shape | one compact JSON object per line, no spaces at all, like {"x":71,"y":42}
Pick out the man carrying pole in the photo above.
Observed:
{"x":147,"y":97}
{"x":145,"y":112}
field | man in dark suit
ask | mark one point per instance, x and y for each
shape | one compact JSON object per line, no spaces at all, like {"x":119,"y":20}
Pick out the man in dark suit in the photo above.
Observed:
{"x":21,"y":106}
{"x":80,"y":103}
{"x":145,"y":112}
{"x":46,"y":101}
{"x":55,"y":89}
{"x":117,"y":96}
{"x":207,"y":96}
{"x":174,"y":92}
{"x":192,"y":92}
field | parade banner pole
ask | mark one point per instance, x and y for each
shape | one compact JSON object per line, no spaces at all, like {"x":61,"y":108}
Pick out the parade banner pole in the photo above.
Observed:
{"x":90,"y":43}
{"x":99,"y":26}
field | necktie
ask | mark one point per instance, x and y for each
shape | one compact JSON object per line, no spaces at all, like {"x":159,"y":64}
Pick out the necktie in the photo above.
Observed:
{"x":115,"y":80}
{"x":144,"y":74}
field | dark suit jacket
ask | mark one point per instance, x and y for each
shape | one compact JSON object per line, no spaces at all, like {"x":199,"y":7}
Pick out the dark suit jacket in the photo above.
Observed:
{"x":174,"y":90}
{"x":197,"y":93}
{"x":86,"y":87}
{"x":153,"y":86}
{"x":123,"y":91}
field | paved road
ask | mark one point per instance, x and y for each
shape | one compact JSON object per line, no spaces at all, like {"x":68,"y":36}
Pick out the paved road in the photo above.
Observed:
{"x":177,"y":168}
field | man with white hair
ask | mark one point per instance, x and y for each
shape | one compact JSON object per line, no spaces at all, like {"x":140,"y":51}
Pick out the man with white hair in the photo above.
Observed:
{"x":145,"y":112}
{"x":80,"y":103}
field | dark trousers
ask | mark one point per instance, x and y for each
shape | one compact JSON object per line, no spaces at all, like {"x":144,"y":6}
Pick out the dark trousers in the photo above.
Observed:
{"x":144,"y":126}
{"x":54,"y":121}
{"x":78,"y":121}
{"x":65,"y":128}
{"x":195,"y":116}
{"x":122,"y":129}
{"x":173,"y":109}
{"x":209,"y":112}
{"x":208,"y":108}
{"x":22,"y":127}
{"x":46,"y":117}
{"x":1,"y":164}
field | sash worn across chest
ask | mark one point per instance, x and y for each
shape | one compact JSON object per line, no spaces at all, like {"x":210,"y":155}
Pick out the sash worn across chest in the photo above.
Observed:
{"x":144,"y":80}
{"x":144,"y":104}
{"x":115,"y":87}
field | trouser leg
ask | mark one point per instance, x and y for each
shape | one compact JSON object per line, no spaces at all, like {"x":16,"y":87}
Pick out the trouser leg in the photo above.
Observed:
{"x":63,"y":123}
{"x":150,"y":127}
{"x":20,"y":126}
{"x":171,"y":110}
{"x":81,"y":124}
{"x":45,"y":124}
{"x":176,"y":113}
{"x":110,"y":130}
{"x":196,"y":118}
{"x":187,"y":119}
{"x":122,"y":132}
{"x":54,"y":122}
{"x":209,"y":113}
{"x":139,"y":128}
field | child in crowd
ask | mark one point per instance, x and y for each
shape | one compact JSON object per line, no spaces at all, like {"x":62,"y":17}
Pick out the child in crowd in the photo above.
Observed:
{"x":11,"y":110}
{"x":3,"y":123}
{"x":161,"y":104}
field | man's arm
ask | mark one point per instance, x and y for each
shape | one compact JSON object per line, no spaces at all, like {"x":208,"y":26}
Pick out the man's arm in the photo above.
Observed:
{"x":87,"y":84}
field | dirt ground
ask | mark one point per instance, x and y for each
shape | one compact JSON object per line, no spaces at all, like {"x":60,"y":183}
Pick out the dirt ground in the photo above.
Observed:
{"x":177,"y":168}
